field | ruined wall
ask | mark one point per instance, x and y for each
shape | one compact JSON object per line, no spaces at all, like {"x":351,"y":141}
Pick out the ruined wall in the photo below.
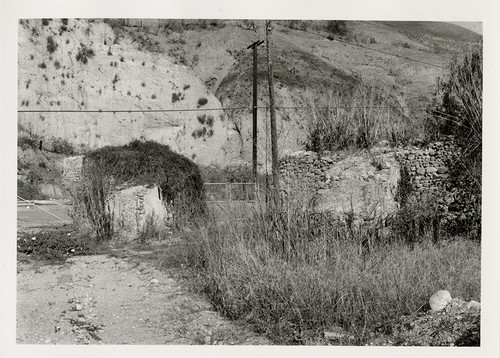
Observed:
{"x":136,"y":207}
{"x":428,"y":168}
{"x":132,"y":208}
{"x":367,"y":182}
{"x":363,"y":183}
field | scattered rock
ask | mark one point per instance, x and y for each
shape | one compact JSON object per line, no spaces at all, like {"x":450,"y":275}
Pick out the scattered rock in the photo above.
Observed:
{"x":439,"y":300}
{"x":154,"y":281}
{"x":474,"y":304}
{"x":207,"y":340}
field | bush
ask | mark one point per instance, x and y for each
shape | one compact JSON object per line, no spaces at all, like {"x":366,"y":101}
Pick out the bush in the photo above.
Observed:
{"x":29,"y":191}
{"x":92,"y":200}
{"x":62,"y":146}
{"x":335,"y":27}
{"x":26,"y":142}
{"x":177,"y":97}
{"x":202,"y":101}
{"x":84,"y":54}
{"x":51,"y":44}
{"x":54,"y":246}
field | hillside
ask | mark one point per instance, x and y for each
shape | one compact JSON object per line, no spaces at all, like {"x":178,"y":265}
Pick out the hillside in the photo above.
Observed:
{"x":106,"y":66}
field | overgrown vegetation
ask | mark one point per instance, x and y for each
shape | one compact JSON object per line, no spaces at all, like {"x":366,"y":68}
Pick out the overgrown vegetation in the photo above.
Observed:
{"x":62,"y":146}
{"x":295,"y":273}
{"x":336,"y":27}
{"x":360,"y":119}
{"x":55,"y":245}
{"x":29,"y":191}
{"x":138,"y":163}
{"x":459,"y":112}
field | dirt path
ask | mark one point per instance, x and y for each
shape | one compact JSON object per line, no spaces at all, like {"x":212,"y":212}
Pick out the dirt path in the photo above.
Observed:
{"x":108,"y":300}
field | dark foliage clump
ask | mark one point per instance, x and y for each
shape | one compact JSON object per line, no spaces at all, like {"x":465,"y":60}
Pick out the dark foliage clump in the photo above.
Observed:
{"x":335,"y":27}
{"x":84,"y":54}
{"x":459,"y":112}
{"x":51,"y":44}
{"x":151,"y":163}
{"x":56,"y":245}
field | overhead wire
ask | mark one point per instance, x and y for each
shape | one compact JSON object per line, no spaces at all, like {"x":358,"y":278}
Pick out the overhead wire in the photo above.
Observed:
{"x":377,"y":50}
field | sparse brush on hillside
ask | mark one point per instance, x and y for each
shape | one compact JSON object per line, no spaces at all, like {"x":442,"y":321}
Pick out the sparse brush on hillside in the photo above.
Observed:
{"x":360,"y":119}
{"x":294,"y":274}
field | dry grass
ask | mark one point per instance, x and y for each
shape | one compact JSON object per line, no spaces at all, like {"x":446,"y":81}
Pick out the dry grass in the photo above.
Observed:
{"x":294,"y":274}
{"x":360,"y":119}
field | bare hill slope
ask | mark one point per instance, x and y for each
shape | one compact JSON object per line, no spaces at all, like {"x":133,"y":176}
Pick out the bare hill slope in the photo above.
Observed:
{"x":141,"y":65}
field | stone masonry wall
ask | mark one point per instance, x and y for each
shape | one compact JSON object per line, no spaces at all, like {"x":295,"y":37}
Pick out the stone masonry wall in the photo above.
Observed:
{"x":370,"y":177}
{"x":306,"y":171}
{"x":428,"y":167}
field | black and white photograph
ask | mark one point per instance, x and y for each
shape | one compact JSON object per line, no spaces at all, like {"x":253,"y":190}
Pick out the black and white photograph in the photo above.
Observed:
{"x":262,"y":181}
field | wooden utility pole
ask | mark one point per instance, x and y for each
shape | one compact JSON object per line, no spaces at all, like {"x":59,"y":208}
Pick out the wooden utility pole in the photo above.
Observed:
{"x":254,"y":109}
{"x":272,"y":110}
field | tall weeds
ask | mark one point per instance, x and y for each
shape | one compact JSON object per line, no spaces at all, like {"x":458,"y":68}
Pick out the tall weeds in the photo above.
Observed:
{"x":92,"y":206}
{"x":293,"y":274}
{"x":358,"y":119}
{"x":459,"y":112}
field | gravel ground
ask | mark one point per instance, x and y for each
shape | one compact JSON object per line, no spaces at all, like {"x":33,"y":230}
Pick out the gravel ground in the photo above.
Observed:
{"x":106,"y":300}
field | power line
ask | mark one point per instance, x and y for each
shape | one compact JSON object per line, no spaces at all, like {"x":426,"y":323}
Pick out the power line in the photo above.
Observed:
{"x":212,"y":109}
{"x":381,"y":51}
{"x":127,"y":110}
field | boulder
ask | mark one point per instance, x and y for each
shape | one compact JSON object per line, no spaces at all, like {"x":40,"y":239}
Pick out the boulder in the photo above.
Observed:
{"x":439,"y":300}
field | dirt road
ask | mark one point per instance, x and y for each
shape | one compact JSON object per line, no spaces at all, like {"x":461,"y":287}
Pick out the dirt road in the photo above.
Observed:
{"x":108,"y":300}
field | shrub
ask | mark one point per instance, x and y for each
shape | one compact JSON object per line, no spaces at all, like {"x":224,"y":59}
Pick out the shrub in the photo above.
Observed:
{"x":29,"y":191}
{"x":45,"y":22}
{"x":152,"y":230}
{"x":335,"y":27}
{"x":57,"y":64}
{"x":62,"y":146}
{"x":176,"y":97}
{"x":202,"y":101}
{"x":64,"y":21}
{"x":26,"y":142}
{"x":51,"y":44}
{"x":55,"y":245}
{"x":91,"y":201}
{"x":84,"y":54}
{"x":42,"y":65}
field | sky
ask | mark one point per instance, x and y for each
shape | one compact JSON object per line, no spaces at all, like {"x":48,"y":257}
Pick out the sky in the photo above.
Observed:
{"x":473,"y":26}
